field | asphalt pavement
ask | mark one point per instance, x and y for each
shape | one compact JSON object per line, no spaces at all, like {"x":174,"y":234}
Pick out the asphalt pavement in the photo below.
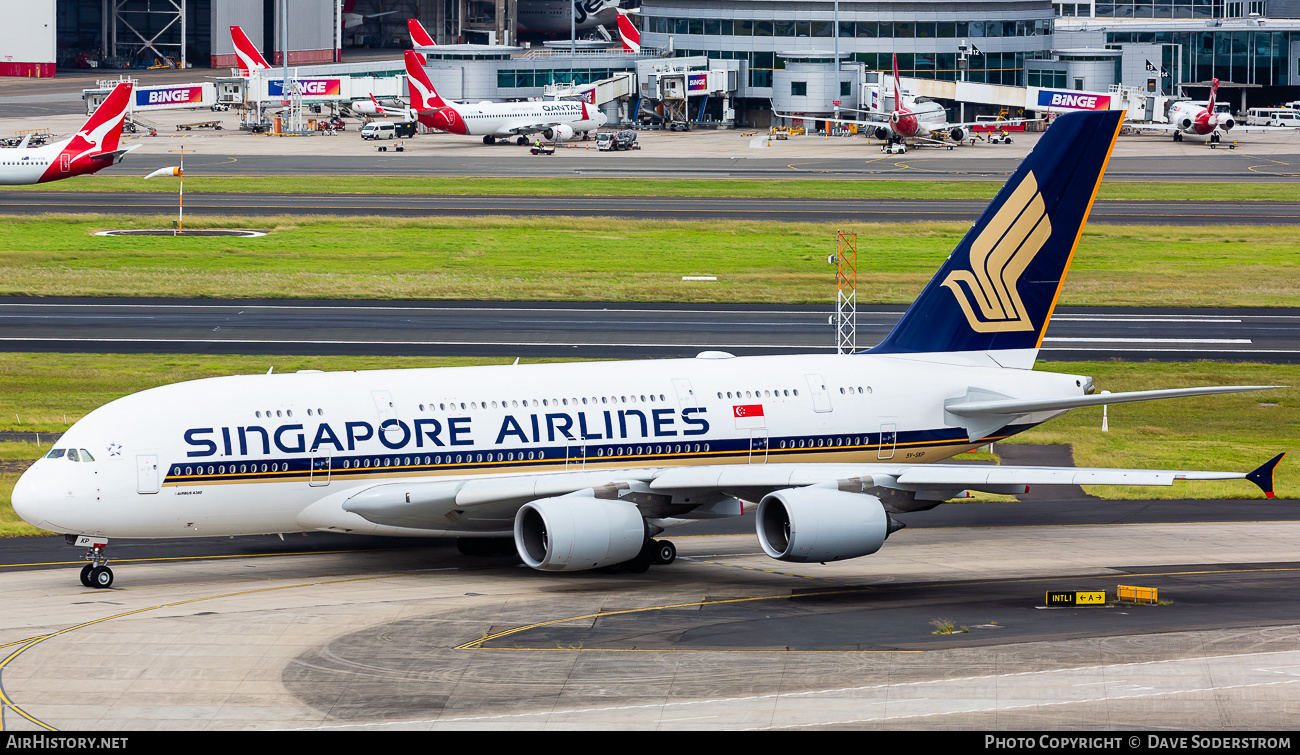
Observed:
{"x":592,"y":330}
{"x":1115,"y":212}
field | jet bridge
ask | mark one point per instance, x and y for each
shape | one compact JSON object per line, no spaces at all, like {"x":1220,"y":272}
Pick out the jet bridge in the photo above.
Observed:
{"x":671,"y":93}
{"x":611,"y":95}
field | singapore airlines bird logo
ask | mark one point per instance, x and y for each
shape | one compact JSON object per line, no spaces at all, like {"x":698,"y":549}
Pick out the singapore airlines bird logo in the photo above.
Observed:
{"x":987,"y":292}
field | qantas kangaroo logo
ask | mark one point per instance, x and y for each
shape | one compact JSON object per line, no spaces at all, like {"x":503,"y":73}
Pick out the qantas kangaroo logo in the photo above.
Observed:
{"x":997,"y":260}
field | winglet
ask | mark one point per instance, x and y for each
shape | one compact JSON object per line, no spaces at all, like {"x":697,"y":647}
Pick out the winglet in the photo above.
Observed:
{"x":1263,"y":476}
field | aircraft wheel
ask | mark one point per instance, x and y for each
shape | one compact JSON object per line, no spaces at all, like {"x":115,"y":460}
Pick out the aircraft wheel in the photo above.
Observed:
{"x":85,"y":575}
{"x":949,"y":146}
{"x":665,"y":552}
{"x":101,"y":577}
{"x":521,"y":140}
{"x":489,"y":140}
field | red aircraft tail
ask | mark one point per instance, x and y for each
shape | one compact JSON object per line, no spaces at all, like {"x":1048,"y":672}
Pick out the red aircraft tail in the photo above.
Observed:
{"x":249,"y":58}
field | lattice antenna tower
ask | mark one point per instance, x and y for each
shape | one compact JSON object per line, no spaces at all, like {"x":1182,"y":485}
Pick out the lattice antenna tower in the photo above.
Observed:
{"x":846,"y":292}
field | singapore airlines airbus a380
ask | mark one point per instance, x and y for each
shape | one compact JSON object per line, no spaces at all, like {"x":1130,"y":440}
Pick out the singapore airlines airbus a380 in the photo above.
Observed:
{"x":581,"y":465}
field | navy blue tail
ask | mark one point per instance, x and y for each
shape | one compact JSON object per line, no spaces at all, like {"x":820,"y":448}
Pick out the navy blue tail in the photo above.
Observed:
{"x":996,"y":291}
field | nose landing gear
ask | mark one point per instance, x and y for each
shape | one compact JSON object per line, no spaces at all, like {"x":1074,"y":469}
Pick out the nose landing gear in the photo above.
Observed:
{"x":96,"y":573}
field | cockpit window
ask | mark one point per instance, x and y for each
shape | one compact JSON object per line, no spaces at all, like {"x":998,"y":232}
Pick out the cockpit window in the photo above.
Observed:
{"x":56,"y":453}
{"x":72,"y":455}
{"x":85,"y":455}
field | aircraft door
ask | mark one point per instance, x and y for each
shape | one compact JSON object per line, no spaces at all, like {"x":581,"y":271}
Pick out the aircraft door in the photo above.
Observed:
{"x":577,"y":459}
{"x":758,"y":445}
{"x":65,"y":162}
{"x":820,"y":396}
{"x":320,"y":471}
{"x":384,"y":405}
{"x":685,"y":393}
{"x":888,"y":439}
{"x":146,"y":474}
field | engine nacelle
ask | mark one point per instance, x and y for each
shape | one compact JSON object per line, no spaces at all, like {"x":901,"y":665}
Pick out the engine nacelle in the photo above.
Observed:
{"x":1185,"y":123}
{"x":880,"y":132}
{"x":957,"y":134}
{"x":558,"y":133}
{"x":1226,"y":123}
{"x":820,"y":524}
{"x":577,"y":532}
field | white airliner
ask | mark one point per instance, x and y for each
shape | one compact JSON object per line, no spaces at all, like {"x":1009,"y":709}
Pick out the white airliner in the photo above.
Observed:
{"x":553,"y":16}
{"x":579,"y":466}
{"x":1191,"y":118}
{"x":556,"y":120}
{"x":93,"y":148}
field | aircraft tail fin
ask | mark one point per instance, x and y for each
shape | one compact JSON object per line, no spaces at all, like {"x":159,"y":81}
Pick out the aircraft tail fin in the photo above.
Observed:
{"x":103,"y":129}
{"x":629,"y":33}
{"x":996,"y":291}
{"x":898,"y":87}
{"x":419,"y":37}
{"x":423,"y":95}
{"x":1214,"y":92}
{"x":249,"y":58}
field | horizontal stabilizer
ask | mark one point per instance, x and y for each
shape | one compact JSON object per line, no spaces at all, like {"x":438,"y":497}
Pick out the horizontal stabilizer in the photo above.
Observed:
{"x":115,"y":156}
{"x":1015,"y":407}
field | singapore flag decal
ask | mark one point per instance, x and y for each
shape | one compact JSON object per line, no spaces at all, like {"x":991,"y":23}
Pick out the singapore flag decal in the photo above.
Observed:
{"x":749,"y":417}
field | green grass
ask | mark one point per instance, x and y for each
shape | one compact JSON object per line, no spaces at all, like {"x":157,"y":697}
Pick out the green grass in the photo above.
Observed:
{"x":1230,"y":432}
{"x":822,"y":186}
{"x":594,"y":259}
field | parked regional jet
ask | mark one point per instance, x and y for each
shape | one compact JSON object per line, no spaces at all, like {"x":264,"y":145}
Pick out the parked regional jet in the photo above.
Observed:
{"x":554,"y":119}
{"x":920,"y":120}
{"x":90,"y":150}
{"x":1189,"y":118}
{"x":582,"y":465}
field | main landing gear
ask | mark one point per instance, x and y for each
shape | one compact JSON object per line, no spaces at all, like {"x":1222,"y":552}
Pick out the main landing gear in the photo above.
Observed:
{"x":96,"y":573}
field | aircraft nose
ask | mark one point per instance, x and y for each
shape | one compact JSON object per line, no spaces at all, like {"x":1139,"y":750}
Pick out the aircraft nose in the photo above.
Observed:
{"x":29,"y":498}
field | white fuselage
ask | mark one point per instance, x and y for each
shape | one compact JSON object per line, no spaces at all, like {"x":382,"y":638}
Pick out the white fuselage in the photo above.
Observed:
{"x":554,"y":16}
{"x":503,"y":119}
{"x":281,"y":453}
{"x":28,"y":165}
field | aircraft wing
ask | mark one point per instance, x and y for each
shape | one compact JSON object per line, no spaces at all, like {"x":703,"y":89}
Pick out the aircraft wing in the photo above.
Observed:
{"x":701,"y":492}
{"x":531,"y":127}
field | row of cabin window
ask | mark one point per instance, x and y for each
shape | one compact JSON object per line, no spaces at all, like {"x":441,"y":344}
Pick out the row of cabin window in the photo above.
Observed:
{"x":221,"y":469}
{"x":70,"y":454}
{"x":640,"y":450}
{"x":289,"y":413}
{"x":824,"y":442}
{"x":781,"y":392}
{"x":515,"y":403}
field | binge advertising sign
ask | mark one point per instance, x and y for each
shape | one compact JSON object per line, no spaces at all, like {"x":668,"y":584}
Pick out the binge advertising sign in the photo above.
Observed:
{"x":697,"y":82}
{"x":1073,"y":100}
{"x":310,"y":87}
{"x":178,"y":95}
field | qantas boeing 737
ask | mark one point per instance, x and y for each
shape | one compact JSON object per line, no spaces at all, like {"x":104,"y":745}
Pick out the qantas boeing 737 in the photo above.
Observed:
{"x":580,"y":466}
{"x":555,"y":119}
{"x":90,"y":150}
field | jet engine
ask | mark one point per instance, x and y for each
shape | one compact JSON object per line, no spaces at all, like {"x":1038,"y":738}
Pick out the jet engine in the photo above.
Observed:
{"x":880,"y":132}
{"x":957,"y":133}
{"x":1185,"y":123}
{"x":577,"y":532}
{"x":558,"y":133}
{"x":820,"y":524}
{"x":1226,"y":123}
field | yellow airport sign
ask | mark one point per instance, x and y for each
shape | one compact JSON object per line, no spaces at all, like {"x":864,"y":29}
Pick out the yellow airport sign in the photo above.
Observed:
{"x":1077,"y":598}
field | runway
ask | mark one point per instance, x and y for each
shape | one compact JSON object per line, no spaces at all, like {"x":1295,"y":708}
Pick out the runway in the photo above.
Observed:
{"x":1114,"y":212}
{"x":592,"y":330}
{"x":856,"y":161}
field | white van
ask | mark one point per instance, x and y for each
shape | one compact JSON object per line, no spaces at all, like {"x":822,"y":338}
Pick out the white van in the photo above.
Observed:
{"x":1287,"y":118}
{"x":378,"y":130}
